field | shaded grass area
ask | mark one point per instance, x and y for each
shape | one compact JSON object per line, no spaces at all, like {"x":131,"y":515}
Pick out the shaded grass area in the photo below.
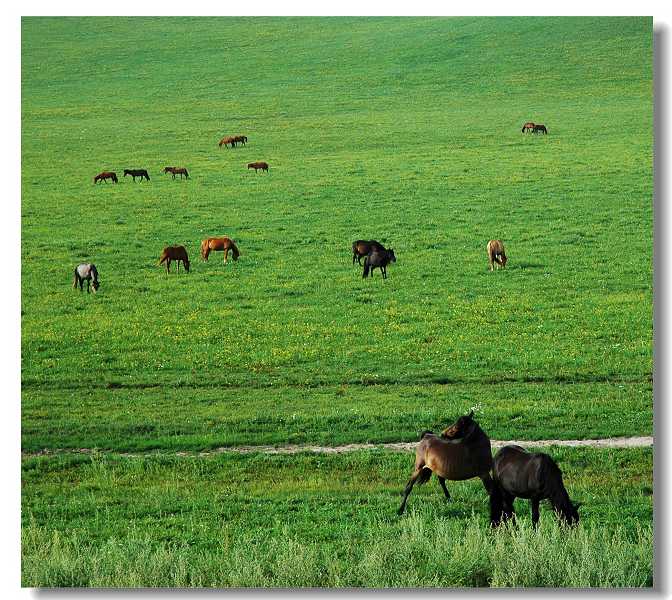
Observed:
{"x":196,"y":419}
{"x":265,"y":521}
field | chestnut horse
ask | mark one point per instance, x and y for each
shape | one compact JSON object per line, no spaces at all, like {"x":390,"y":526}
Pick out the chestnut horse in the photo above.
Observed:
{"x":532,"y":475}
{"x":461,"y":452}
{"x":258,"y":165}
{"x":175,"y":253}
{"x":176,"y":171}
{"x":219,"y":244}
{"x":104,"y":176}
{"x":363,"y":247}
{"x":496,"y":254}
{"x":529,"y":126}
{"x":225,"y":141}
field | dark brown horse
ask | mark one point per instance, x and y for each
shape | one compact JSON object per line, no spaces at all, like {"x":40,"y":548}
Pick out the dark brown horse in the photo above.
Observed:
{"x":176,"y":171}
{"x":219,"y":244}
{"x":496,"y":254}
{"x":142,"y":173}
{"x":104,"y":176}
{"x":532,"y":475}
{"x":461,"y":452}
{"x":225,"y":141}
{"x":363,"y":247}
{"x":378,"y":259}
{"x":175,"y":253}
{"x":529,"y":126}
{"x":258,"y":165}
{"x":540,"y":129}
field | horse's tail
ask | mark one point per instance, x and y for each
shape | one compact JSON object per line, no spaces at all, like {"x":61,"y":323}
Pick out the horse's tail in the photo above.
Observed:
{"x":236,"y":252}
{"x":425,"y":476}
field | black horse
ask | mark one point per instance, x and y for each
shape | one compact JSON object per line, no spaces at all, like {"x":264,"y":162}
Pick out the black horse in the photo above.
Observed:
{"x":380,"y":259}
{"x":363,"y":247}
{"x":137,"y":173}
{"x":531,"y":475}
{"x":540,"y":129}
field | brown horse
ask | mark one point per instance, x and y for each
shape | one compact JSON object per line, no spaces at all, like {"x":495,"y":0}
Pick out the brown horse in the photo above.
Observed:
{"x":496,"y":254}
{"x":176,"y":171}
{"x":258,"y":165}
{"x":175,"y":253}
{"x":225,"y":141}
{"x":219,"y":244}
{"x":363,"y":247}
{"x":462,"y":452}
{"x":529,"y":126}
{"x":104,"y":176}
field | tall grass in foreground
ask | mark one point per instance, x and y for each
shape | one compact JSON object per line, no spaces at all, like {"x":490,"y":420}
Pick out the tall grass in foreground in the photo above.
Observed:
{"x":450,"y":554}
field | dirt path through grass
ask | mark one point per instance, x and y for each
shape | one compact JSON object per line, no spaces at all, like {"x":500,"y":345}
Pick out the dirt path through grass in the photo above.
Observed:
{"x":616,"y":442}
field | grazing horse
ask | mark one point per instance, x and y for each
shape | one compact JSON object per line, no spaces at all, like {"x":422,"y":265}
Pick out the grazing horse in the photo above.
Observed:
{"x":142,"y":173}
{"x":219,"y":244}
{"x":363,"y":247}
{"x":175,"y":253}
{"x":86,"y":272}
{"x":380,"y":259}
{"x":258,"y":165}
{"x":225,"y":141}
{"x":240,"y":139}
{"x":104,"y":176}
{"x":531,"y":475}
{"x":461,"y":452}
{"x":540,"y":128}
{"x":176,"y":171}
{"x":529,"y":126}
{"x":496,"y":254}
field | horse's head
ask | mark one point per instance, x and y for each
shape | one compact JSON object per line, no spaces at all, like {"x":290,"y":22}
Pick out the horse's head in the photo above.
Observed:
{"x":95,"y":284}
{"x":167,"y":169}
{"x":503,"y":258}
{"x":391,"y":255}
{"x":462,"y":428}
{"x":186,"y":264}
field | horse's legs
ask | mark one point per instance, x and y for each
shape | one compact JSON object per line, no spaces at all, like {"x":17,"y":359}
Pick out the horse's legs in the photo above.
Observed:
{"x":88,"y":286}
{"x":383,"y":270}
{"x":442,"y":482}
{"x":408,"y":488}
{"x":534,"y":503}
{"x":226,"y":254}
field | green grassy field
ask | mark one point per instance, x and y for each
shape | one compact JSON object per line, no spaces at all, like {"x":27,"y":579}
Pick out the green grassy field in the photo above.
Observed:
{"x":402,"y":130}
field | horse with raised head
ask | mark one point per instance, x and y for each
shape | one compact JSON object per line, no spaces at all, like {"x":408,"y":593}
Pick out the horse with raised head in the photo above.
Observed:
{"x":176,"y":171}
{"x":104,"y":176}
{"x":363,"y":247}
{"x":540,"y":129}
{"x":142,"y":173}
{"x":531,"y":475}
{"x":174,"y":253}
{"x":496,"y":254}
{"x":529,"y":126}
{"x":378,"y":259}
{"x":258,"y":165}
{"x":218,"y":245}
{"x":86,"y":272}
{"x":461,"y":452}
{"x":229,"y":139}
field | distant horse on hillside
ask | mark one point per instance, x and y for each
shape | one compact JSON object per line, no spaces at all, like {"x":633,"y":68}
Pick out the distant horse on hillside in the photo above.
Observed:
{"x":142,"y":173}
{"x":380,"y":259}
{"x":176,"y":171}
{"x":461,"y":452}
{"x":532,"y":475}
{"x":258,"y":165}
{"x":175,"y":253}
{"x":217,"y":245}
{"x":496,"y":254}
{"x":363,"y":247}
{"x":225,"y":141}
{"x":86,"y":272}
{"x":540,"y":129}
{"x":529,"y":126}
{"x":104,"y":176}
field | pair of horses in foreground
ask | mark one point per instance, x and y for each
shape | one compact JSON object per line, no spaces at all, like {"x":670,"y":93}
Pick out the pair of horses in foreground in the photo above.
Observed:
{"x":233,"y":140}
{"x":179,"y":253}
{"x":375,"y":256}
{"x":462,"y":451}
{"x":534,"y":128}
